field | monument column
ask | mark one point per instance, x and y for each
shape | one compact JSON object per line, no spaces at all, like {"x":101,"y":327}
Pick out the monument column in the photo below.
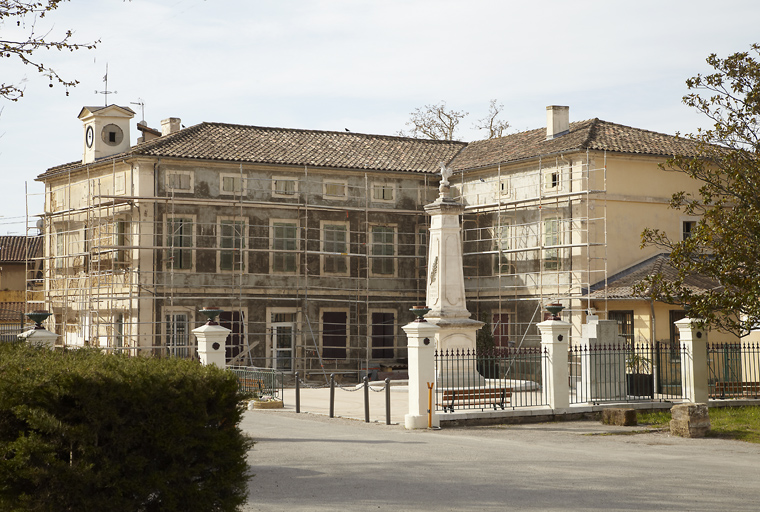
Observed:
{"x":445,"y":284}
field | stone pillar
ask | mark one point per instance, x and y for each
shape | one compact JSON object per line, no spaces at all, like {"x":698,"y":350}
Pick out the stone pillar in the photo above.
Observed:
{"x":693,"y":361}
{"x":421,"y":353}
{"x":555,"y":335}
{"x":445,"y":286}
{"x":35,"y":336}
{"x":602,"y":371}
{"x":212,"y":344}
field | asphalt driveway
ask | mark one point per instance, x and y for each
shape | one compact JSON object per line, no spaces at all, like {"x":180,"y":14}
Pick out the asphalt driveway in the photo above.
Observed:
{"x":307,"y":462}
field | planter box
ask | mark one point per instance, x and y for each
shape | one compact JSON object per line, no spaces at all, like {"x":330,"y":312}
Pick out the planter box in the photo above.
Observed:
{"x":640,"y":384}
{"x":272,"y":404}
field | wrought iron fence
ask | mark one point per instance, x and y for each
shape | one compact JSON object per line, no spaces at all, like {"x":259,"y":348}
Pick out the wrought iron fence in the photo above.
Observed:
{"x":263,"y":382}
{"x":625,"y":372}
{"x":733,"y":370}
{"x":497,"y":379}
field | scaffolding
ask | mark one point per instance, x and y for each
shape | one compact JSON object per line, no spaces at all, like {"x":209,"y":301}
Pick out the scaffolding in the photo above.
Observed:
{"x":128,"y":272}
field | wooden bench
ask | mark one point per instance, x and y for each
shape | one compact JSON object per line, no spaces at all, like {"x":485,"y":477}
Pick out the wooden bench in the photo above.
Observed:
{"x":737,"y":389}
{"x":496,"y":397}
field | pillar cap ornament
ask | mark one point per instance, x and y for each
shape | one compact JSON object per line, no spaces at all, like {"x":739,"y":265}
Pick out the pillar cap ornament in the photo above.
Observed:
{"x":554,"y":308}
{"x":211,"y":312}
{"x":420,"y":312}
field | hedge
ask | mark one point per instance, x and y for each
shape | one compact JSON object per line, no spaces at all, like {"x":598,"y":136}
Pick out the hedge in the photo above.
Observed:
{"x":83,"y":430}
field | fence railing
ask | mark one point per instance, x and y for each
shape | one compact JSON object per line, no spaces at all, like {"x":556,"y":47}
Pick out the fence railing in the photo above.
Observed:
{"x":264,"y":382}
{"x":733,"y":370}
{"x":497,"y":379}
{"x":626,"y":372}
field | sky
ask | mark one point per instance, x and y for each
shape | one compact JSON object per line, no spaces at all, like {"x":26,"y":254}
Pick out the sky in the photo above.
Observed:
{"x":357,"y":64}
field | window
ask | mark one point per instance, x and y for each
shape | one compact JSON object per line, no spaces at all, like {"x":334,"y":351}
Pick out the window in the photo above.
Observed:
{"x":552,"y":237}
{"x":335,"y":189}
{"x":502,"y":238}
{"x":119,"y":186}
{"x":625,"y":323}
{"x":118,"y":330}
{"x":334,"y":334}
{"x":231,"y":184}
{"x":179,"y":180}
{"x":504,"y":190}
{"x":122,"y":235}
{"x":179,"y":242}
{"x":382,"y":191}
{"x":282,"y":326}
{"x":284,"y":187}
{"x":59,"y":250}
{"x":383,"y":334}
{"x":284,"y":238}
{"x":688,"y":228}
{"x":552,"y":180}
{"x":177,"y":339}
{"x":383,"y":250}
{"x":501,"y":324}
{"x":334,"y":241}
{"x":232,"y":244}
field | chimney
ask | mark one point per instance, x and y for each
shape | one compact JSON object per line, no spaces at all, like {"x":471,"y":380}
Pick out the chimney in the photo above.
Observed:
{"x":557,"y":121}
{"x":171,"y":125}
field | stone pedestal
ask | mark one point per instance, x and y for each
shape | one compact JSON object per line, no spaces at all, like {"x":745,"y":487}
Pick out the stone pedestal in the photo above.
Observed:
{"x":36,"y":336}
{"x":689,"y":420}
{"x":421,"y":352}
{"x":554,"y":341}
{"x":693,"y":361}
{"x":602,"y":371}
{"x":212,"y":344}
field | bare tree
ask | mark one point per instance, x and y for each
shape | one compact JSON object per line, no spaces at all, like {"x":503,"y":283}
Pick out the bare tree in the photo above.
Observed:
{"x":491,"y":123}
{"x":26,"y":14}
{"x":433,"y":122}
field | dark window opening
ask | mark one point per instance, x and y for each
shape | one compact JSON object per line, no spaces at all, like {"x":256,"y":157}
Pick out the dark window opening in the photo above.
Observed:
{"x":383,"y":327}
{"x":334,"y":334}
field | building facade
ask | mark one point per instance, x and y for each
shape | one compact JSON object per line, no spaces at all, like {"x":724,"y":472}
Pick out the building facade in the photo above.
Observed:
{"x":314,"y":243}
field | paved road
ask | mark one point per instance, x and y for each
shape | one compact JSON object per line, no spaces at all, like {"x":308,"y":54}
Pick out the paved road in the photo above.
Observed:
{"x":308,"y":462}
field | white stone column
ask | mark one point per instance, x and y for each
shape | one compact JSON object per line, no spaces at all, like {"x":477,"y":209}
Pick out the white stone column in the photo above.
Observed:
{"x":39,"y":336}
{"x":445,"y":289}
{"x":421,"y":353}
{"x":693,"y":361}
{"x":212,"y":344}
{"x":555,"y":335}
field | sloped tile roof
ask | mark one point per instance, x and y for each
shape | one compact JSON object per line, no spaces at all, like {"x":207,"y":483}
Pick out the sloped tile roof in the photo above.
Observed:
{"x":342,"y":150}
{"x":16,"y":248}
{"x":621,"y":285}
{"x":593,"y":134}
{"x":11,"y":311}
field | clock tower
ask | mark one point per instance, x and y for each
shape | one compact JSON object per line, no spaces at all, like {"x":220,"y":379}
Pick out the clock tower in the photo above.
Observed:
{"x":106,"y":131}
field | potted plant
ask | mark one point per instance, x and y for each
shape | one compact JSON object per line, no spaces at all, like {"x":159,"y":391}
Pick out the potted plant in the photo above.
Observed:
{"x":639,"y":378}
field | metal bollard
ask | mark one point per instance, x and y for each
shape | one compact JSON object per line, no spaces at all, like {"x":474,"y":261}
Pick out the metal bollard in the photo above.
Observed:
{"x":298,"y":394}
{"x":366,"y":399}
{"x":387,"y":401}
{"x":332,"y":395}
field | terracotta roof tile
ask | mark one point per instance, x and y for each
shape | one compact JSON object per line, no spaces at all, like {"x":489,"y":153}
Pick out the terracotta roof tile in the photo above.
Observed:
{"x":342,"y":150}
{"x":593,"y":134}
{"x":16,"y":248}
{"x":621,"y":285}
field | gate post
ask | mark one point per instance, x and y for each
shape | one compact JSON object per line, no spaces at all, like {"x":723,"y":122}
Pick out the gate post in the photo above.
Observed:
{"x":555,"y":335}
{"x":421,"y":353}
{"x":693,"y":361}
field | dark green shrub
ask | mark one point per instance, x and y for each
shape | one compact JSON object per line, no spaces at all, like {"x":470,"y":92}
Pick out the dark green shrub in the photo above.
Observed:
{"x":82,"y":430}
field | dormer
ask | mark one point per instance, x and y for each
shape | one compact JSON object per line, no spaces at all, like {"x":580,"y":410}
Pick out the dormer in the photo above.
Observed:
{"x":106,"y":131}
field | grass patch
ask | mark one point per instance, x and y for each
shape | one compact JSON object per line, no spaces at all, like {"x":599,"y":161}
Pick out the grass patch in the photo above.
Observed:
{"x":739,"y":423}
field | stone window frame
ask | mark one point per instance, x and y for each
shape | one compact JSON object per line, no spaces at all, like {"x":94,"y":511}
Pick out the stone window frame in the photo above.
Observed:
{"x":168,"y":247}
{"x":323,"y":257}
{"x":243,"y":248}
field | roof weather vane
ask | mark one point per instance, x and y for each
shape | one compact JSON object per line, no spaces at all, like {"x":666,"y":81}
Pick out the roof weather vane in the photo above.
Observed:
{"x":106,"y":91}
{"x":141,"y":103}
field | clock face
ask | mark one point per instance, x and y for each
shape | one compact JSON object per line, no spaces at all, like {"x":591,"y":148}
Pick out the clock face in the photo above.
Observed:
{"x":89,"y":136}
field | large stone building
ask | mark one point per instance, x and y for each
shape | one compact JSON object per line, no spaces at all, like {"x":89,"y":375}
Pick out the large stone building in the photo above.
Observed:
{"x":313,"y":243}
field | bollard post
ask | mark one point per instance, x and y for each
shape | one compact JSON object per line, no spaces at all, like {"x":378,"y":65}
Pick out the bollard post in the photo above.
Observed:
{"x":366,"y":399}
{"x":298,"y":394}
{"x":387,"y":401}
{"x":332,"y":395}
